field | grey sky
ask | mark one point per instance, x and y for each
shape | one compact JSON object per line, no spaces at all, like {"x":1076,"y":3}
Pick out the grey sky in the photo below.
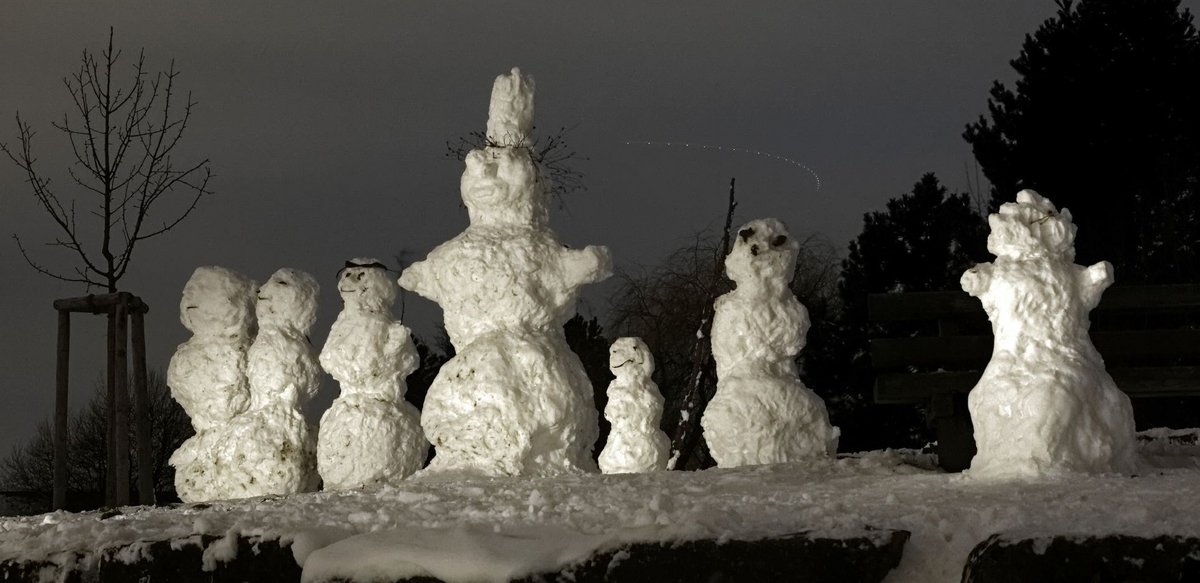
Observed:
{"x":326,"y":124}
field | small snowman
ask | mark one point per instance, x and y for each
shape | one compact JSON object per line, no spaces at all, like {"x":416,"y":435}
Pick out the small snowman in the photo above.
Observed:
{"x":635,"y":444}
{"x":270,"y":447}
{"x":1045,"y":403}
{"x":207,"y":374}
{"x":762,"y":413}
{"x":370,"y":434}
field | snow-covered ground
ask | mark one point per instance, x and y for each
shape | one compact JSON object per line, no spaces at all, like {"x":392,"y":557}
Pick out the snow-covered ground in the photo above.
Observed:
{"x":568,"y":516}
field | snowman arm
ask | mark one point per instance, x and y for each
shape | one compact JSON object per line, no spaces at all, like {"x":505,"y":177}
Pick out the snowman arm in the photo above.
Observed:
{"x":588,"y":265}
{"x":976,"y":280}
{"x":416,"y":278}
{"x":1094,"y":281}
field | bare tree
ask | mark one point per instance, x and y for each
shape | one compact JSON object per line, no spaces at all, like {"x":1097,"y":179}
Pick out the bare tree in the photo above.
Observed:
{"x":123,"y":138}
{"x":30,"y":465}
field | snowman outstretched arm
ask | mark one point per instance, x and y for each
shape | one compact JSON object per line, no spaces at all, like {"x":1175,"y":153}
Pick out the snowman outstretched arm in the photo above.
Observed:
{"x":588,"y":265}
{"x":977,"y":280}
{"x":418,"y":278}
{"x":1093,"y":281}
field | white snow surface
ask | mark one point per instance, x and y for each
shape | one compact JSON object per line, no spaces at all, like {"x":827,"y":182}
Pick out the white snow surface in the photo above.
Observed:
{"x":525,"y":524}
{"x":207,"y":374}
{"x":514,"y":400}
{"x":1045,"y":403}
{"x":369,"y":434}
{"x":270,"y":448}
{"x":762,"y":413}
{"x":635,"y":407}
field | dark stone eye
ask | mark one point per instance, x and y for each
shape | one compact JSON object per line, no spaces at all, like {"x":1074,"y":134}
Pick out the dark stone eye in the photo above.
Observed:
{"x":754,"y":250}
{"x":745,"y":234}
{"x":780,"y":240}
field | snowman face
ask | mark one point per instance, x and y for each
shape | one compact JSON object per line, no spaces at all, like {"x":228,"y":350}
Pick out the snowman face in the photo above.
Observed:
{"x":288,"y":298}
{"x":500,"y":185}
{"x":217,"y":301}
{"x":630,"y":354}
{"x":763,"y":251}
{"x":364,"y":283}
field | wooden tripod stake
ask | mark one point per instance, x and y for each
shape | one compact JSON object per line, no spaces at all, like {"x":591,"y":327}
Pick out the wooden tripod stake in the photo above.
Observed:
{"x":123,"y":309}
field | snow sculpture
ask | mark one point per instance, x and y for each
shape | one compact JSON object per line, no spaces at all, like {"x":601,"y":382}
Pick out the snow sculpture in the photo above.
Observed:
{"x":1045,"y":403}
{"x":635,"y":444}
{"x":515,"y":399}
{"x":270,"y":446}
{"x":207,"y":374}
{"x":370,"y":434}
{"x":762,"y":413}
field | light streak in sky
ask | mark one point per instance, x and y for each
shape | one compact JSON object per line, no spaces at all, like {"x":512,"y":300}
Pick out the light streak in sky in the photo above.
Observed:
{"x":720,"y":148}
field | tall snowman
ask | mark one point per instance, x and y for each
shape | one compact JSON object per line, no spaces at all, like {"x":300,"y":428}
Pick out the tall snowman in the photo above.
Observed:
{"x":762,"y":413}
{"x":635,"y":444}
{"x":370,"y":434}
{"x":207,"y":375}
{"x":514,"y":400}
{"x":1045,"y":404}
{"x":270,"y":445}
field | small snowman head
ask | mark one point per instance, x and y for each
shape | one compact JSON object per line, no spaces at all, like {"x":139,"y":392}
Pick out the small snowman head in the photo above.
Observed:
{"x":1031,"y":228}
{"x":288,"y":299}
{"x":629,"y":356}
{"x":217,"y":302}
{"x":764,"y":253}
{"x":500,"y":186}
{"x":364,"y":284}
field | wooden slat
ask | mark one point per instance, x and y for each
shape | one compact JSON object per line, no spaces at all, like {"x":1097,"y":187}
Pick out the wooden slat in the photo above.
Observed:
{"x":1137,"y":382}
{"x":99,"y":304}
{"x":958,"y":304}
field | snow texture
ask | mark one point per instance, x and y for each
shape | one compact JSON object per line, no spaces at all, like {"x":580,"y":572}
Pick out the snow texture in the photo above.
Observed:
{"x":270,"y":446}
{"x":370,"y":434}
{"x":514,"y":400}
{"x":762,"y":413}
{"x":1045,"y":403}
{"x":207,"y":375}
{"x":635,"y":443}
{"x":421,"y":523}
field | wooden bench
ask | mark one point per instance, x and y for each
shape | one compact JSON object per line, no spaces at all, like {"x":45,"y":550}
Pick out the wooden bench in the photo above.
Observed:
{"x":938,"y":343}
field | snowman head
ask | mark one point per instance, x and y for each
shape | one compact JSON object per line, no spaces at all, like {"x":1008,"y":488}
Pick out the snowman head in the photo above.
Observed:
{"x":629,"y":355}
{"x":500,"y":187}
{"x":364,"y":284}
{"x":1031,"y":228}
{"x":217,"y":302}
{"x":763,"y":254}
{"x":288,"y":299}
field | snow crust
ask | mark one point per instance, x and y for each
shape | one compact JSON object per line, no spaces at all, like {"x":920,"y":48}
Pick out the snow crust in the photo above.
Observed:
{"x":635,"y":443}
{"x":271,"y":447}
{"x":207,"y":375}
{"x":425,"y":521}
{"x":762,"y":413}
{"x":514,"y":400}
{"x":370,"y":434}
{"x":1045,"y":403}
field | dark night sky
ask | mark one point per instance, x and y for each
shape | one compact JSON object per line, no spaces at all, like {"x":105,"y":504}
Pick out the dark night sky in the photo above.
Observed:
{"x":326,"y":125}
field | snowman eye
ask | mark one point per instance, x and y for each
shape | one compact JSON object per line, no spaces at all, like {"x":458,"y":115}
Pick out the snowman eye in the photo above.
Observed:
{"x":745,"y":234}
{"x":780,"y":240}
